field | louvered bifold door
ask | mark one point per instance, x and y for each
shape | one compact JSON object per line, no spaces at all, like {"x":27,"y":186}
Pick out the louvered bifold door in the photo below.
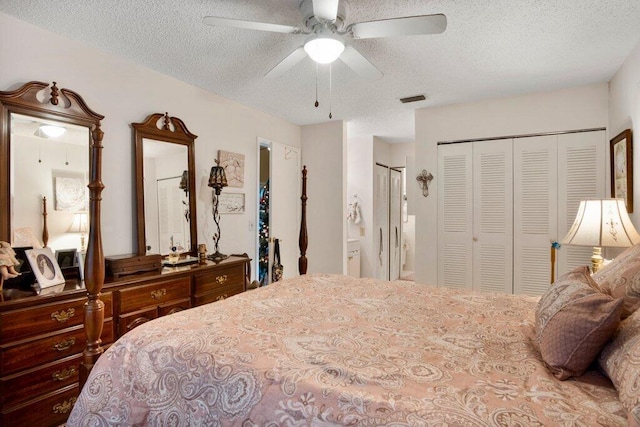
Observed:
{"x":395,"y":223}
{"x":493,"y":216}
{"x":581,"y":176}
{"x":381,"y":222}
{"x":455,"y":215}
{"x":534,"y":212}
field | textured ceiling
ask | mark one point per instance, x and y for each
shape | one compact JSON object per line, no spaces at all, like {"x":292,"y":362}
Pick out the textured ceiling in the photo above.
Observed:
{"x":491,"y":49}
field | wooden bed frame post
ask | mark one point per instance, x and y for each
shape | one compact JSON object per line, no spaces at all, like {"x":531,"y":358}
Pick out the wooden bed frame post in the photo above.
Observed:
{"x":303,"y":241}
{"x":94,"y":262}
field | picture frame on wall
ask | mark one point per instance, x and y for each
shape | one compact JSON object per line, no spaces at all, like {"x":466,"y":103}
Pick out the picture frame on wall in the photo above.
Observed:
{"x":229,"y":203}
{"x":621,"y":155}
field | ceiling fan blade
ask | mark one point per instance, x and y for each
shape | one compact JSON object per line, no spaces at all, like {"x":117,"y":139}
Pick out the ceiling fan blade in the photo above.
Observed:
{"x":408,"y":26}
{"x":285,"y":65}
{"x":325,"y":9}
{"x":250,"y":25}
{"x":360,"y":64}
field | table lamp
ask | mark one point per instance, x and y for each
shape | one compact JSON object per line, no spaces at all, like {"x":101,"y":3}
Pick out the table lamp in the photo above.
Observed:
{"x":79,"y":225}
{"x":217,"y":180}
{"x":601,"y":223}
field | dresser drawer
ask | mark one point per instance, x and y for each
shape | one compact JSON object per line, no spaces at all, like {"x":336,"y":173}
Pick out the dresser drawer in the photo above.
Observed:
{"x":19,"y":324}
{"x":219,"y":278}
{"x":174,"y":307}
{"x":130,"y":321}
{"x":31,"y":353}
{"x":219,"y":293}
{"x":50,"y":410}
{"x":22,"y":387}
{"x":157,"y":293}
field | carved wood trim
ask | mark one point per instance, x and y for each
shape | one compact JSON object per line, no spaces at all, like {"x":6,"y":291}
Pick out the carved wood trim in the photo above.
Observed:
{"x":303,"y":240}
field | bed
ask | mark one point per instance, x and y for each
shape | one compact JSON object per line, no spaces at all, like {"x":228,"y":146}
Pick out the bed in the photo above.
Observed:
{"x":331,"y":350}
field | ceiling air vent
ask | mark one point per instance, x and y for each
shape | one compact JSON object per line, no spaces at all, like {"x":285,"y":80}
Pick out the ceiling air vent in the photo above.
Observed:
{"x":412,"y":99}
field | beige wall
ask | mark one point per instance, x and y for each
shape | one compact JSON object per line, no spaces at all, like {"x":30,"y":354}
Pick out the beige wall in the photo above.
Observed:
{"x":568,"y":109}
{"x":624,"y":113}
{"x":324,"y":152}
{"x":125,"y":92}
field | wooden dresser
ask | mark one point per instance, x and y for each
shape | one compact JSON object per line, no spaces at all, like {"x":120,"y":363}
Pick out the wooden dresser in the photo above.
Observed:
{"x":42,"y":337}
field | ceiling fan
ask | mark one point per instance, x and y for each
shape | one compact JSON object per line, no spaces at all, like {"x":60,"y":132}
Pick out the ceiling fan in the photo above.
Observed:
{"x":324,"y":21}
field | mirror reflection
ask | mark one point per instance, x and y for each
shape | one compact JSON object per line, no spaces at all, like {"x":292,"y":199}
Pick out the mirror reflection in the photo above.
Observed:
{"x":49,"y":160}
{"x":166,"y":197}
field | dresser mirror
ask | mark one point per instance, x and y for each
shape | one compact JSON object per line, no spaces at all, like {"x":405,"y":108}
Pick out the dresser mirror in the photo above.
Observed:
{"x":165,"y":186}
{"x":50,"y":155}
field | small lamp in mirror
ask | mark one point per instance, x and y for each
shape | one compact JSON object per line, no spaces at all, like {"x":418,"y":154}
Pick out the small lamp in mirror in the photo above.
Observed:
{"x":184,"y":182}
{"x":79,"y":225}
{"x":602,"y":223}
{"x":217,"y":181}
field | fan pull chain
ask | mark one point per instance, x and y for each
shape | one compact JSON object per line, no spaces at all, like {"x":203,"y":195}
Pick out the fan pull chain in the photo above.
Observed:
{"x":66,"y":157}
{"x":330,"y":115}
{"x":317,"y":103}
{"x":39,"y":152}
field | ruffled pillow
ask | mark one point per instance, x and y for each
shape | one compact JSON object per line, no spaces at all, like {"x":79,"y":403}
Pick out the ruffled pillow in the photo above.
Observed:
{"x":620,"y":359}
{"x":621,"y":279}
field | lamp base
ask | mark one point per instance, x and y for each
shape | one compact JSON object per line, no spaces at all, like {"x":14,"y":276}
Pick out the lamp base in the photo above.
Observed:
{"x":217,"y":257}
{"x":596,"y":259}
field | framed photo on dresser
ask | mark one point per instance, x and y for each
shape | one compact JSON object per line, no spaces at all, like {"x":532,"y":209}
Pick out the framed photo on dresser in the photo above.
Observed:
{"x":45,"y":267}
{"x":621,"y":155}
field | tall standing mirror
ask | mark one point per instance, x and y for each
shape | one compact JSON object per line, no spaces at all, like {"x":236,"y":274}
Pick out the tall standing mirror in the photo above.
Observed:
{"x":165,"y":186}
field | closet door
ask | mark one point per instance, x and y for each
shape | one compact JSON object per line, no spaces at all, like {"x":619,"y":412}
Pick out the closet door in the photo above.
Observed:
{"x":535,"y":212}
{"x":381,"y":222}
{"x":455,"y":215}
{"x":581,"y":176}
{"x":395,"y":223}
{"x":493,"y":216}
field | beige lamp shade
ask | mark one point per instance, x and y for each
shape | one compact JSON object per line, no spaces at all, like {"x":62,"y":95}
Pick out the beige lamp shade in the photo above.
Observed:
{"x":602,"y":223}
{"x":79,"y":224}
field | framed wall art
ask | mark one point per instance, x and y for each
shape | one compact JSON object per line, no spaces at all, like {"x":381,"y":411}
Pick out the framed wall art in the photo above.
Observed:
{"x":71,"y":192}
{"x":621,"y":154}
{"x":231,"y":203}
{"x":233,"y":164}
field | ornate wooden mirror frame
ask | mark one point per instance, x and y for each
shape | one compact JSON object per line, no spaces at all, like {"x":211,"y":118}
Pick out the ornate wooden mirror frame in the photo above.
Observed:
{"x":65,"y":106}
{"x":174,"y":131}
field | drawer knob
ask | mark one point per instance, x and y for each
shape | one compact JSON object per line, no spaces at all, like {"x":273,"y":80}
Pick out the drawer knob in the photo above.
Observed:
{"x":221,"y":297}
{"x":221,"y":279}
{"x":63,"y":316}
{"x":64,"y":344}
{"x":64,"y":407}
{"x":65,"y":374}
{"x":159,"y":293}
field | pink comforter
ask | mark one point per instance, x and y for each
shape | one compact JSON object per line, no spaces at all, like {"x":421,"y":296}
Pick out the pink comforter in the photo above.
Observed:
{"x":331,"y":350}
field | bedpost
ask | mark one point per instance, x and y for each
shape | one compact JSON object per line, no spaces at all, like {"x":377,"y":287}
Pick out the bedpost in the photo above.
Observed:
{"x":304,"y":238}
{"x":94,"y":262}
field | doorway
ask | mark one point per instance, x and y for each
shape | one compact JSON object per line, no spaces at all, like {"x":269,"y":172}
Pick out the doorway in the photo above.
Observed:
{"x":278,"y":208}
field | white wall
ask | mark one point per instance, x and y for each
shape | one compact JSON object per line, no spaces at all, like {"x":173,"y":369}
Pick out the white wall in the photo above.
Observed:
{"x":624,"y":113}
{"x":568,"y":109}
{"x":125,"y":92}
{"x":324,"y":152}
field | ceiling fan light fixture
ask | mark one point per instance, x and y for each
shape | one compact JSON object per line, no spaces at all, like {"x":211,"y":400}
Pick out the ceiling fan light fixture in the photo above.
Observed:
{"x":52,"y":131}
{"x":324,"y":49}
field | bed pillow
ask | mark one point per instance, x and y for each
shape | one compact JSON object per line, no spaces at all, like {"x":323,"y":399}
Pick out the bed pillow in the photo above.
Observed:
{"x":620,"y":359}
{"x":574,"y":320}
{"x":621,"y":279}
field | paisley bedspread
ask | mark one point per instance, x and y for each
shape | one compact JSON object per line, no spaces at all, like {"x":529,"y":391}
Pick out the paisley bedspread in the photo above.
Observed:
{"x":329,"y":350}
